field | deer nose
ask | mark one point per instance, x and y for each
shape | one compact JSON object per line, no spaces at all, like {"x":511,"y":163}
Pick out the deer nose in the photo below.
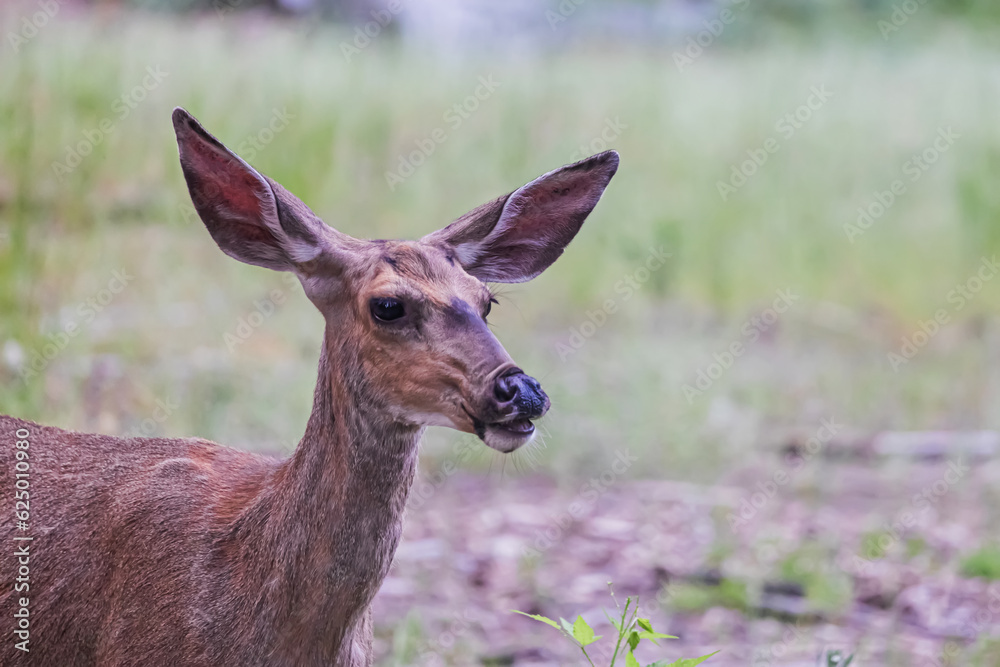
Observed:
{"x":522,"y":393}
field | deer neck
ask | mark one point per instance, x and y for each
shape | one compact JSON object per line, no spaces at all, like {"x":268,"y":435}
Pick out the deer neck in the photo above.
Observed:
{"x":342,"y":497}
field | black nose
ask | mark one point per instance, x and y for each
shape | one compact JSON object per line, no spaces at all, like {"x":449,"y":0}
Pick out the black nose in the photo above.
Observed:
{"x":523,"y":393}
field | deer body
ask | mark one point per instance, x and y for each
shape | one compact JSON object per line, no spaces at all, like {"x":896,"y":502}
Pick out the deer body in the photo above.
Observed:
{"x":212,"y":555}
{"x":150,"y":551}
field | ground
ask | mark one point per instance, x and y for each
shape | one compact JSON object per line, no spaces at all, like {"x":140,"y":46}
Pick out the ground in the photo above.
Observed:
{"x":855,"y":549}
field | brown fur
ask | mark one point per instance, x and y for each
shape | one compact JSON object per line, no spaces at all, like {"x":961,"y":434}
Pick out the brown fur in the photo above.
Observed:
{"x":149,"y":551}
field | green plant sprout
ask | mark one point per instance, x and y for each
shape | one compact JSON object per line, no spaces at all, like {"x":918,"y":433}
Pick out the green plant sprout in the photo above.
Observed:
{"x":837,"y":659}
{"x":631,"y":630}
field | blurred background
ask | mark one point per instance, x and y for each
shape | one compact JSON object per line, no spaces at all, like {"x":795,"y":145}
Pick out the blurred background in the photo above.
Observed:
{"x":773,"y":351}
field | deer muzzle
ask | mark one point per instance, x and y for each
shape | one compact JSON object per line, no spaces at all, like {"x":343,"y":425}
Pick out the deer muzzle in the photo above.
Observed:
{"x":517,"y":400}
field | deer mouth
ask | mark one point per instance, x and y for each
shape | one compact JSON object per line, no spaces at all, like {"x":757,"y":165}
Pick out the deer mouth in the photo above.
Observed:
{"x":522,"y":427}
{"x":505,"y":436}
{"x":509,"y":435}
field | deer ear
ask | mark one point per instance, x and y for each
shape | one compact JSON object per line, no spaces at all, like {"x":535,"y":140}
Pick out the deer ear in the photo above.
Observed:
{"x":514,"y":238}
{"x":251,"y":218}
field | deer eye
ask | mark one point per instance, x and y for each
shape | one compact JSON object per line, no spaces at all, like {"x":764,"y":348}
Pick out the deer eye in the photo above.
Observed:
{"x":489,"y":307}
{"x":387,"y":309}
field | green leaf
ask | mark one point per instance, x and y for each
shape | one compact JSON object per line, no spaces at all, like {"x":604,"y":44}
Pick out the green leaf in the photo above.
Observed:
{"x":543,"y":619}
{"x":630,"y":660}
{"x":645,"y":624}
{"x":614,"y":621}
{"x":583,"y":633}
{"x":689,"y":662}
{"x":837,"y":658}
{"x":633,"y":640}
{"x":653,"y":636}
{"x":567,"y":626}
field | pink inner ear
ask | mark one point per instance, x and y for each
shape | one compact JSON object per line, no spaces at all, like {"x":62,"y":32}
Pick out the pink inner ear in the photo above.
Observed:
{"x":226,"y":184}
{"x":547,"y":211}
{"x":514,"y":238}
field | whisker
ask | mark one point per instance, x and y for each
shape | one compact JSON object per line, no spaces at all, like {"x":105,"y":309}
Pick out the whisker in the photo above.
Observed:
{"x":521,"y":455}
{"x":504,"y":292}
{"x":538,"y":446}
{"x":530,"y":455}
{"x":489,"y":471}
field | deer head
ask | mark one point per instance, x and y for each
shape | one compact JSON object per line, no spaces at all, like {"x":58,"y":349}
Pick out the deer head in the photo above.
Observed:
{"x":411,"y":313}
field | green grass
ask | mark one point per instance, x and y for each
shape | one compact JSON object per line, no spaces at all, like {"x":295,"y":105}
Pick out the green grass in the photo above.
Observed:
{"x":697,"y":597}
{"x":827,"y":588}
{"x":983,"y":563}
{"x":125,"y":206}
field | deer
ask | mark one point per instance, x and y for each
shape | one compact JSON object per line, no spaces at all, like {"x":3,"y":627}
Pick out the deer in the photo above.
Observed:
{"x":183,"y":552}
